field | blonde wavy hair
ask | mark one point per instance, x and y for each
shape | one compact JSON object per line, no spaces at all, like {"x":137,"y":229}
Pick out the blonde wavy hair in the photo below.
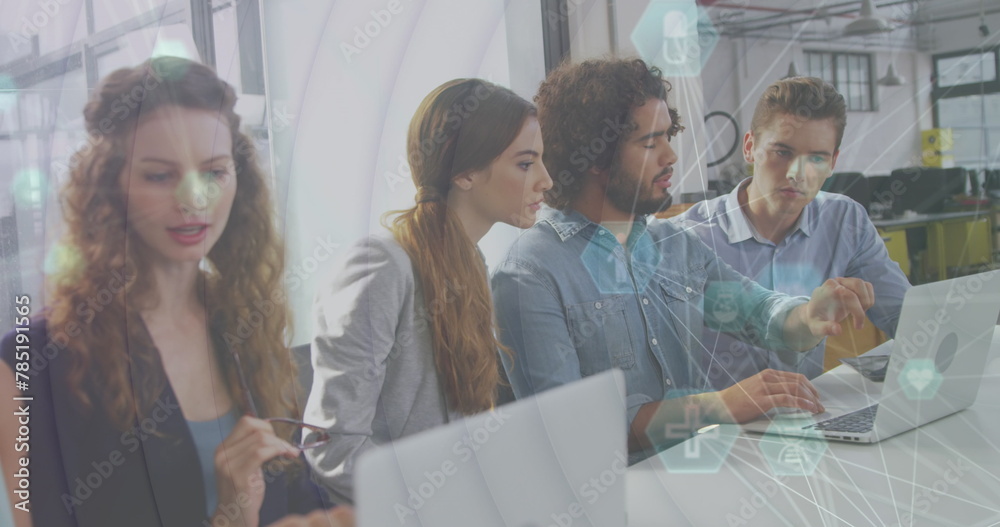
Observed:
{"x":461,"y":126}
{"x":113,"y":358}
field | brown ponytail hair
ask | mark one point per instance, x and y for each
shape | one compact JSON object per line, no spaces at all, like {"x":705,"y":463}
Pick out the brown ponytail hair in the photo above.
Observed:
{"x":111,"y":356}
{"x":460,"y":127}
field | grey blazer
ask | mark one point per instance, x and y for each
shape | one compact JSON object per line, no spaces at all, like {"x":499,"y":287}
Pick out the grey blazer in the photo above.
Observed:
{"x":374,"y":379}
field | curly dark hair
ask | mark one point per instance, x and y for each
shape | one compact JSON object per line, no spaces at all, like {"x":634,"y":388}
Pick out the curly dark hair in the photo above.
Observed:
{"x":584,"y":110}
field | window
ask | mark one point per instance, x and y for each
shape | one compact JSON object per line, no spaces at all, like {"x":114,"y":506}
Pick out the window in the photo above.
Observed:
{"x":966,"y":99}
{"x":965,"y":70}
{"x":850,"y":73}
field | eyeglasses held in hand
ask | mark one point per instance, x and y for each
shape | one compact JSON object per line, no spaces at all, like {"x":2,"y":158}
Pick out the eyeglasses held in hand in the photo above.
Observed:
{"x":316,"y":435}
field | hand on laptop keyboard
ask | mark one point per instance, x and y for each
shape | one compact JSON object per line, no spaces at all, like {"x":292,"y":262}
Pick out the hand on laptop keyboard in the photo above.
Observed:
{"x":859,"y":421}
{"x":753,"y":396}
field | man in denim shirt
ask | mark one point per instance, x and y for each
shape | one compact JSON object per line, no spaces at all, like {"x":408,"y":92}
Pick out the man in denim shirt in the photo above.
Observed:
{"x":594,"y":285}
{"x":780,"y":230}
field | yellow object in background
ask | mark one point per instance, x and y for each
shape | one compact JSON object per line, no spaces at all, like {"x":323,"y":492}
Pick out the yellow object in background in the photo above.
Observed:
{"x":675,"y":210}
{"x":899,"y":252}
{"x":959,"y":244}
{"x":936,"y":146}
{"x":851,"y":343}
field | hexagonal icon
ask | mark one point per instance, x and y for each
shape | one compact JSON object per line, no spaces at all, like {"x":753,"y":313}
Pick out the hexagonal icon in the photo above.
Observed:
{"x":606,"y":265}
{"x":168,"y":47}
{"x":790,"y":449}
{"x":646,"y":259}
{"x":63,"y":259}
{"x":723,"y":305}
{"x":29,"y":187}
{"x":675,"y":35}
{"x":705,"y":443}
{"x":920,"y":379}
{"x":604,"y":259}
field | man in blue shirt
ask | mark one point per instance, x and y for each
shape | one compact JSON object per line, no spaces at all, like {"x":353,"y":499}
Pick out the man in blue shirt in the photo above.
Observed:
{"x":780,"y":230}
{"x":594,"y":285}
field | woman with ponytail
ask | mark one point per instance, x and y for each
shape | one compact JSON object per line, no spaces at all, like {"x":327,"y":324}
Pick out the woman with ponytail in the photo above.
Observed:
{"x":404,"y":331}
{"x":140,"y":411}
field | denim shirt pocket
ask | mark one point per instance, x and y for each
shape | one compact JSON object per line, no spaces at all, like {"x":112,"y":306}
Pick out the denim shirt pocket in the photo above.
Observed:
{"x":600,"y":334}
{"x":684,"y":294}
{"x":683,"y":286}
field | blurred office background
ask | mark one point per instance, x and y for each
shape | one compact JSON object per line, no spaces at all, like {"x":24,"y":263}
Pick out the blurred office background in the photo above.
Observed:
{"x":327,"y":88}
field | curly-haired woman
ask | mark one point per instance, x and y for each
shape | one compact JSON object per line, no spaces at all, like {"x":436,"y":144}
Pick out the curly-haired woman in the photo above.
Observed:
{"x":138,"y":414}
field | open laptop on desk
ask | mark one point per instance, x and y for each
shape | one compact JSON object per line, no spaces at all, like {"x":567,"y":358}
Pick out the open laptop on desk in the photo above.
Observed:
{"x":942,"y":343}
{"x":558,"y":458}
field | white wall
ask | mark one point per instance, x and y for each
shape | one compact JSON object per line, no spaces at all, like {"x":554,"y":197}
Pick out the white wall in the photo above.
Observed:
{"x":339,"y":149}
{"x":523,"y":20}
{"x":588,"y":29}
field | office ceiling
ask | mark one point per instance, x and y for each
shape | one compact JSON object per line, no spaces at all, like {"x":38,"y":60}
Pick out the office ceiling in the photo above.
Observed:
{"x":824,"y":20}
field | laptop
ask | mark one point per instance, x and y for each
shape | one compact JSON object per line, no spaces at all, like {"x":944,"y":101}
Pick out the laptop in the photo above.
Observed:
{"x":935,"y":366}
{"x":558,"y":458}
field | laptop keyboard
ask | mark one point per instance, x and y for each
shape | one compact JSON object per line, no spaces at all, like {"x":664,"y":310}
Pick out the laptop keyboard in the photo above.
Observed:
{"x":859,"y":422}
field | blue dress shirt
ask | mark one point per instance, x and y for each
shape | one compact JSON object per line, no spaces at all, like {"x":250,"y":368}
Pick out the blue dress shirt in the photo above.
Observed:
{"x":572,"y":301}
{"x":832,"y":238}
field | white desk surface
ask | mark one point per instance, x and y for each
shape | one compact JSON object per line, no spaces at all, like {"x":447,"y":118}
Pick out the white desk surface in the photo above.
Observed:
{"x":944,"y":473}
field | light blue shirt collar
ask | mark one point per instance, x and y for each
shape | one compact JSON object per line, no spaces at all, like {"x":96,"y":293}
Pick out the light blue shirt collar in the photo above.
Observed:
{"x":568,"y":223}
{"x":837,"y":239}
{"x":738,"y":228}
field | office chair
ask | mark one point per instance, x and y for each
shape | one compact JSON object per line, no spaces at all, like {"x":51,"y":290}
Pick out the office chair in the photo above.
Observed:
{"x":851,"y":184}
{"x":924,"y":190}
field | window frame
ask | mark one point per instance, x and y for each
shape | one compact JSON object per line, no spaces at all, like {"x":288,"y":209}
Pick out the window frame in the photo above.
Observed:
{"x":972,"y":89}
{"x":555,"y":33}
{"x":962,"y":90}
{"x":832,"y":60}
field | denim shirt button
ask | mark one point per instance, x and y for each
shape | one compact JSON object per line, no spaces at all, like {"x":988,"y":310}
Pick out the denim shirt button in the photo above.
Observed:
{"x":645,"y":301}
{"x":668,"y":382}
{"x":654,"y":341}
{"x":689,"y":290}
{"x":597,"y":305}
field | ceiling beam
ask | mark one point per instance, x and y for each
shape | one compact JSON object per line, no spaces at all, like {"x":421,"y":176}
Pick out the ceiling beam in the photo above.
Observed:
{"x":810,"y":15}
{"x":824,"y":10}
